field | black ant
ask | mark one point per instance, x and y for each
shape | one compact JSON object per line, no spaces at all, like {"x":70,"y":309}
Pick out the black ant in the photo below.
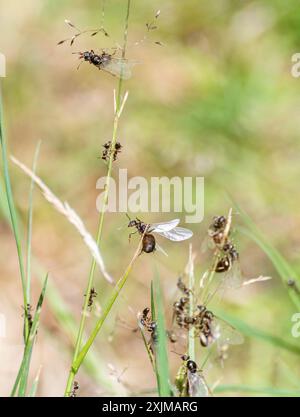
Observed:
{"x":75,"y":388}
{"x":149,"y":242}
{"x":28,"y":315}
{"x":93,"y":294}
{"x":230,"y":255}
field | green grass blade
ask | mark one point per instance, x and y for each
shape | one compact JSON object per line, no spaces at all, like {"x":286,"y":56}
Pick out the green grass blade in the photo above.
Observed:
{"x":22,"y":377}
{"x":253,"y":332}
{"x":13,"y":214}
{"x":153,"y":312}
{"x":284,"y":269}
{"x":149,"y":353}
{"x":161,"y":356}
{"x":94,"y":363}
{"x":114,"y":295}
{"x":29,"y":225}
{"x":33,"y":389}
{"x":3,"y":203}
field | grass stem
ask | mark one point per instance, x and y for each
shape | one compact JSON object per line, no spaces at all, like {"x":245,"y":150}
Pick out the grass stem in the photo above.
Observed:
{"x":117,"y":114}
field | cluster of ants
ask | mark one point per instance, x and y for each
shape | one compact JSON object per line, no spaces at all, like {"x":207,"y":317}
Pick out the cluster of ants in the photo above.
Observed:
{"x":201,"y":320}
{"x":189,"y":377}
{"x":219,"y":232}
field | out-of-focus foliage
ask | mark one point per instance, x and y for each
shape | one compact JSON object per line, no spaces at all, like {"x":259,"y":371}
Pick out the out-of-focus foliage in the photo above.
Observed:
{"x":217,"y":100}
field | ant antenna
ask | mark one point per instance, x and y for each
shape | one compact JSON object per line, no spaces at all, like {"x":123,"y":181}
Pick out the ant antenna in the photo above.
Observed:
{"x":78,"y":66}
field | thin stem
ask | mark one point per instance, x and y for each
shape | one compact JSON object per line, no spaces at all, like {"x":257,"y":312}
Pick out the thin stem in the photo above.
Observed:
{"x":13,"y":216}
{"x":116,"y":291}
{"x":191,"y":337}
{"x":102,"y":212}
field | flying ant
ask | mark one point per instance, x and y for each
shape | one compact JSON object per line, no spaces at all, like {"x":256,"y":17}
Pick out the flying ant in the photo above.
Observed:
{"x":118,"y":67}
{"x":190,"y":381}
{"x":217,"y":228}
{"x":230,"y":255}
{"x":108,"y":150}
{"x":210,"y":328}
{"x":148,"y":243}
{"x":168,"y":230}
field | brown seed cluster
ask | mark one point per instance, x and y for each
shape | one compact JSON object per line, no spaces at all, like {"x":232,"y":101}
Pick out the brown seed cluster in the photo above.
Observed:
{"x":107,"y":151}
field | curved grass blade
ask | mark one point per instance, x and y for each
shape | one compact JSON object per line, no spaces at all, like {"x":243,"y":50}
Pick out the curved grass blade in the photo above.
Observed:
{"x":21,"y":381}
{"x":251,"y":331}
{"x":284,"y":269}
{"x":13,"y":214}
{"x":35,"y":384}
{"x":161,"y":356}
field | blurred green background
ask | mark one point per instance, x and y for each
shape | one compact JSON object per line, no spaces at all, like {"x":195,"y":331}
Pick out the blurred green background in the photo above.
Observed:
{"x":217,"y":100}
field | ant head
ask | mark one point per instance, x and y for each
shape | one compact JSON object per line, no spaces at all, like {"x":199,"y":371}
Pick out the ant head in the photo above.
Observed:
{"x":131,"y":223}
{"x":146,"y":311}
{"x":183,"y":357}
{"x":86,"y":56}
{"x":201,"y":308}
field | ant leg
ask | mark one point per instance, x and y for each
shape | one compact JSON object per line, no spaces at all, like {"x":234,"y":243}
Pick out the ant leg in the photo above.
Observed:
{"x":132,"y":233}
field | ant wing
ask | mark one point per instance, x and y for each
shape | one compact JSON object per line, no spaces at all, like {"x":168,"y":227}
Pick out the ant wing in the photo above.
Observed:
{"x":120,"y":68}
{"x":233,"y":278}
{"x":177,"y":234}
{"x":165,"y":226}
{"x":207,"y":243}
{"x":197,"y":385}
{"x":160,"y":249}
{"x":225,"y":333}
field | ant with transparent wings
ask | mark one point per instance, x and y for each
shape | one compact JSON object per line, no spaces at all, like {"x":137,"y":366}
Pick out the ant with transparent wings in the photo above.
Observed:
{"x":169,"y":230}
{"x":217,"y":228}
{"x":230,"y":255}
{"x":118,"y":67}
{"x":207,"y":326}
{"x":190,"y":380}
